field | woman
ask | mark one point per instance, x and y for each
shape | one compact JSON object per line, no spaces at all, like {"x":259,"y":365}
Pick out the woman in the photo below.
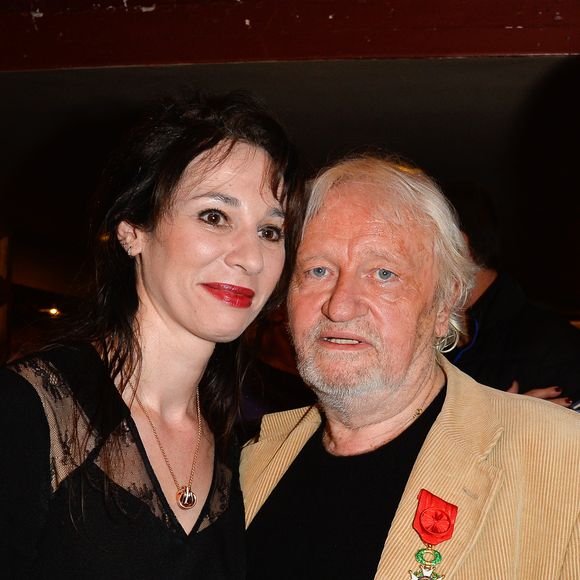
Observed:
{"x":116,"y":444}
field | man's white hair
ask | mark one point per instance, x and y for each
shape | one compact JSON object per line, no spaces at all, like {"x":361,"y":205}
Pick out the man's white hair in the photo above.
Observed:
{"x":414,"y":195}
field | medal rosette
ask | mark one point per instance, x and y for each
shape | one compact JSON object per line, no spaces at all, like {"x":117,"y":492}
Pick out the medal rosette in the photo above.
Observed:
{"x":434,"y":522}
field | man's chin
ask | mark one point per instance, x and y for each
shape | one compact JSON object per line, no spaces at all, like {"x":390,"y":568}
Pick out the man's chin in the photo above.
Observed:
{"x":339,"y":364}
{"x":336,"y":382}
{"x":345,"y":380}
{"x":325,"y":377}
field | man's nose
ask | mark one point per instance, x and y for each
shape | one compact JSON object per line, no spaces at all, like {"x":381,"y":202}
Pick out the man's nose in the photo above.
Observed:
{"x":345,"y":301}
{"x":247,"y":253}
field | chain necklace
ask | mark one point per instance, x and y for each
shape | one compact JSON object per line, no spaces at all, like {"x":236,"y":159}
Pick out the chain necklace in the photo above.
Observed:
{"x":185,"y":497}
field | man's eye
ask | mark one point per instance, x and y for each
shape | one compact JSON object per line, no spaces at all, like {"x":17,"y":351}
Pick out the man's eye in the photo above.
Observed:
{"x":213,"y":217}
{"x":271,"y":233}
{"x":318,"y":272}
{"x":383,"y":274}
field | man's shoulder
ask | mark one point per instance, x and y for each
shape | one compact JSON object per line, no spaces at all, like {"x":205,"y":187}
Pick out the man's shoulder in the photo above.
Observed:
{"x":534,"y":429}
{"x":529,"y":415}
{"x":517,"y":414}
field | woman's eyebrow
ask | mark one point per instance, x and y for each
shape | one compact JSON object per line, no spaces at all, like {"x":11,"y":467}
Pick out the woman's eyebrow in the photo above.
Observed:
{"x":276,"y":212}
{"x":217,"y":196}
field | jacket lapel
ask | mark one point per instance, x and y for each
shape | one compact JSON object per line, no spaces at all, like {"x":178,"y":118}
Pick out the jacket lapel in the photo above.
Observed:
{"x":263,"y":463}
{"x":453,"y":465}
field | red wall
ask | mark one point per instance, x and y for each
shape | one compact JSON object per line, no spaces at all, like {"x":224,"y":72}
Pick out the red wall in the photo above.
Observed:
{"x":85,"y":33}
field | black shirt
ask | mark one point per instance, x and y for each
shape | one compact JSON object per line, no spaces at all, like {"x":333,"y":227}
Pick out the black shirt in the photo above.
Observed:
{"x":329,"y":516}
{"x":65,"y":513}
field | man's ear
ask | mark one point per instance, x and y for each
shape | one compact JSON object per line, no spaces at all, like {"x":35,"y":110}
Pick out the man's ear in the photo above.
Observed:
{"x":130,"y":237}
{"x":442,"y":321}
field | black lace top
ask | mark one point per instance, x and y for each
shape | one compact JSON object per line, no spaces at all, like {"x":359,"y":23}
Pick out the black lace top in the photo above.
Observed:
{"x":67,"y":512}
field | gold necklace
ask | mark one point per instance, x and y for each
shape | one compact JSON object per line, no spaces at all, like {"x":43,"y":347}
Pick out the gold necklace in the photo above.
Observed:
{"x":418,"y":412}
{"x":185,"y":497}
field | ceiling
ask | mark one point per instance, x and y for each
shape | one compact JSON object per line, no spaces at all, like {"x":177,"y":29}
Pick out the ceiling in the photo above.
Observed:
{"x":508,"y":123}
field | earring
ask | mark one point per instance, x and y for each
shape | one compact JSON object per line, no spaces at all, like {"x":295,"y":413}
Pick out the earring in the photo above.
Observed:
{"x":448,"y":342}
{"x":128,"y":248}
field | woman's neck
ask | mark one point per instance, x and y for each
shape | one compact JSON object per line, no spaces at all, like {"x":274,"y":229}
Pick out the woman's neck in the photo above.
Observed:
{"x":170,"y":370}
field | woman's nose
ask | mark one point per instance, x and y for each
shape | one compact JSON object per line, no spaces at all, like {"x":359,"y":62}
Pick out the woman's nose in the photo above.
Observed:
{"x":247,"y":253}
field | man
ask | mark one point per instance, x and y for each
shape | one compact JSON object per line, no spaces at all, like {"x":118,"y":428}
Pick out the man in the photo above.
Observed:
{"x":511,"y":344}
{"x":407,"y":468}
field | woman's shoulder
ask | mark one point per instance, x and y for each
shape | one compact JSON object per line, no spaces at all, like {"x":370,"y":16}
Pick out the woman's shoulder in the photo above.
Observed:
{"x":45,"y":371}
{"x":36,"y":385}
{"x":18,"y":391}
{"x":69,"y":380}
{"x":64,"y":385}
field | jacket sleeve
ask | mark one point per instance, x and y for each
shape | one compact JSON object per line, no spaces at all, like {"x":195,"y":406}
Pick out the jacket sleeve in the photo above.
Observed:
{"x":24,"y":473}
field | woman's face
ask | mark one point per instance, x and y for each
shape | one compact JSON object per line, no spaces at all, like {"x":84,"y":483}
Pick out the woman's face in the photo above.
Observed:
{"x":212,"y":262}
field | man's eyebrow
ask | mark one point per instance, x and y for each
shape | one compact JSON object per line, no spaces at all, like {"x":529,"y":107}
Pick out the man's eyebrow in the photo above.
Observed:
{"x":311,"y":257}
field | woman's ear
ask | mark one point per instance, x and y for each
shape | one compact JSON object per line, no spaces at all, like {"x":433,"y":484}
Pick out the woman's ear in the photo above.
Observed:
{"x":130,"y":237}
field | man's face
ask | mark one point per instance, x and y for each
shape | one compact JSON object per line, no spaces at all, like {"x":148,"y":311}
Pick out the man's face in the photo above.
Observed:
{"x":362,"y":310}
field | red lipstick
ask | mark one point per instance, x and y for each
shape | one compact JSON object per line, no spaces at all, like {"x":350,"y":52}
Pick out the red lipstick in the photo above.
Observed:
{"x":236,"y":296}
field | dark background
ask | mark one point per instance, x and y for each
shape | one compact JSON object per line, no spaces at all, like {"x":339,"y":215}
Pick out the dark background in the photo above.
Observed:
{"x":468,"y":92}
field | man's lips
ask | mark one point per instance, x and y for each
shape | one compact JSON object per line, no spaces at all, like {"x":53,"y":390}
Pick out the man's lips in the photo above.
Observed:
{"x":236,"y":296}
{"x":344,"y":340}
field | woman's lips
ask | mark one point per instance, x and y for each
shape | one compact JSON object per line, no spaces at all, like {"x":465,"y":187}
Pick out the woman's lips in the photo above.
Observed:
{"x":236,"y":296}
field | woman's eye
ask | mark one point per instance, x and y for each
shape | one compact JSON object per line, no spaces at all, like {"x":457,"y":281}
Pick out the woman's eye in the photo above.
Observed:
{"x":318,"y":272}
{"x":213,"y":217}
{"x":271,"y":233}
{"x":383,"y":274}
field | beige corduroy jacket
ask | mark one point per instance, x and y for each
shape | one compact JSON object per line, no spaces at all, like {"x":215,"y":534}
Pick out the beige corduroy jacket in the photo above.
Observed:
{"x":510,"y":463}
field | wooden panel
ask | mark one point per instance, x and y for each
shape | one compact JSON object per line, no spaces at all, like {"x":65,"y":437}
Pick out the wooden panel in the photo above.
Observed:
{"x":85,"y":33}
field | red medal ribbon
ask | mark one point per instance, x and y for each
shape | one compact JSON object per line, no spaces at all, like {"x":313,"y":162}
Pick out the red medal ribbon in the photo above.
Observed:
{"x":434,"y":519}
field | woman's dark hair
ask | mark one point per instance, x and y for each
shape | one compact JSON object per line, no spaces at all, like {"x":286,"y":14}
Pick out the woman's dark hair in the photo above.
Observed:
{"x":138,"y":187}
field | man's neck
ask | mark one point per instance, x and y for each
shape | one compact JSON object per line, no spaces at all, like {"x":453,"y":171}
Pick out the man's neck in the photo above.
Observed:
{"x":372,"y":430}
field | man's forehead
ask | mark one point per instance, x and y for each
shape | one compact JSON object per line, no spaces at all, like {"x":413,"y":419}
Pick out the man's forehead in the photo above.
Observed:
{"x":364,"y":218}
{"x":358,"y":208}
{"x":364,"y":198}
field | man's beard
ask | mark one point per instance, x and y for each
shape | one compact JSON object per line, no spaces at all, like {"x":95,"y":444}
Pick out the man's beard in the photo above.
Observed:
{"x":341,"y":385}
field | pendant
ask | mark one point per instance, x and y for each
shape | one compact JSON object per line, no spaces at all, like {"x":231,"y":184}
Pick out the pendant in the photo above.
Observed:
{"x":186,"y":498}
{"x":425,"y":574}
